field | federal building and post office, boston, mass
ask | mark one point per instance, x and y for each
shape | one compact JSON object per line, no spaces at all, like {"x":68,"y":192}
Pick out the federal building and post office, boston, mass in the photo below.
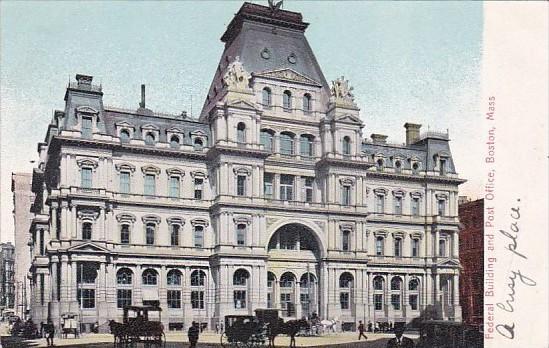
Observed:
{"x":271,"y":198}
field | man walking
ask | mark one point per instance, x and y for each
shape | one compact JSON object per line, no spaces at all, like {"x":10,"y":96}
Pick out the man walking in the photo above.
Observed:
{"x":361,"y":330}
{"x":193,"y":334}
{"x":49,"y":328}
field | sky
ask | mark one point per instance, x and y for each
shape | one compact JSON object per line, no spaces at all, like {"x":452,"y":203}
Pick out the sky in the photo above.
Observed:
{"x":407,"y":61}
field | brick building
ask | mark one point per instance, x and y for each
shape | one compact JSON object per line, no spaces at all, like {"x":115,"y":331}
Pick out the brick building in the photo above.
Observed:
{"x":471,"y":256}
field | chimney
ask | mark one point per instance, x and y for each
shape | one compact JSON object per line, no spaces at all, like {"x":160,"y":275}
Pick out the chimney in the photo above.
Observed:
{"x":142,"y":104}
{"x":412,"y":133}
{"x":379,"y":138}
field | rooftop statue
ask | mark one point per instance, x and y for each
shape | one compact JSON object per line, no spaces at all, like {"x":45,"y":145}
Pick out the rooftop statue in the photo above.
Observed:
{"x":341,"y":91}
{"x":236,"y":77}
{"x":275,"y":7}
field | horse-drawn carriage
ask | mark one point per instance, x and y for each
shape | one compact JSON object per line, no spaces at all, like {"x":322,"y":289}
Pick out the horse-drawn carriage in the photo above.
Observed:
{"x":260,"y":330}
{"x":138,"y":327}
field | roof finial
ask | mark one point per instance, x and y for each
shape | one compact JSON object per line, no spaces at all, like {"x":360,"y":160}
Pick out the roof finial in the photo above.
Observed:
{"x":142,"y":103}
{"x":275,"y":7}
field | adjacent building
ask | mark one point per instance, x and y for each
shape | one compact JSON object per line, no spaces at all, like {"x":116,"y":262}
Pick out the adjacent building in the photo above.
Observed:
{"x":22,"y":217}
{"x":272,"y":198}
{"x":471,"y":256}
{"x":7,"y":278}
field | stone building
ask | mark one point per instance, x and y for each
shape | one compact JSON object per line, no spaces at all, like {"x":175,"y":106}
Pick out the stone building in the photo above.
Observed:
{"x":22,"y":216}
{"x":471,"y":257}
{"x":271,"y":198}
{"x":7,"y":280}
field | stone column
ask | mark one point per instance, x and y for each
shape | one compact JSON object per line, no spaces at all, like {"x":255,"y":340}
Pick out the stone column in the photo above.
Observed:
{"x":74,"y":222}
{"x":64,"y":221}
{"x":436,"y":242}
{"x":54,"y":234}
{"x":101,"y":223}
{"x":455,"y":248}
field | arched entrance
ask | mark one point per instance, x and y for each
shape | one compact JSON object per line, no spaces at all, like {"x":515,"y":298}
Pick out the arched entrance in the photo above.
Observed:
{"x":293,"y":271}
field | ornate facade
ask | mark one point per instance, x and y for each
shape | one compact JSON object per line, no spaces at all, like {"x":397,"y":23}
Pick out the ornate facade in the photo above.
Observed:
{"x":271,"y":198}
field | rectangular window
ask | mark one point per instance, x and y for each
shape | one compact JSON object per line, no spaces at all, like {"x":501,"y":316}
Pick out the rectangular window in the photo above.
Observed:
{"x":346,"y":240}
{"x":241,"y":185}
{"x":395,"y":301}
{"x":175,"y":235}
{"x":125,"y":234}
{"x":308,"y":189}
{"x":87,"y":127}
{"x":198,"y":186}
{"x":199,"y":236}
{"x":415,"y":247}
{"x":398,"y":205}
{"x":269,"y":300}
{"x":415,"y":206}
{"x":150,"y":185}
{"x":239,"y":299}
{"x":268,"y":185}
{"x":414,"y":302}
{"x":174,"y":186}
{"x":267,"y":141}
{"x":346,"y":195}
{"x":87,"y":231}
{"x":442,"y":248}
{"x":197,"y":299}
{"x":441,"y":207}
{"x":286,"y":187}
{"x":241,"y":234}
{"x":86,"y":177}
{"x":124,"y":182}
{"x":174,"y":298}
{"x":286,"y":145}
{"x":378,"y":302}
{"x":86,"y":298}
{"x":286,"y":304}
{"x":123,"y":298}
{"x":149,"y":234}
{"x":398,"y":247}
{"x":379,"y":246}
{"x":380,"y":204}
{"x":306,"y":147}
{"x":442,"y":169}
{"x":344,"y":300}
{"x":42,"y":289}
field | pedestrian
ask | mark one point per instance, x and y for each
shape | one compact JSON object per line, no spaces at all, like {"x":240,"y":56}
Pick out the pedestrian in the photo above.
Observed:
{"x":400,"y":341}
{"x":361,"y":330}
{"x":221,"y":328}
{"x":369,"y":326}
{"x":193,"y":334}
{"x":49,"y":328}
{"x":216,"y":328}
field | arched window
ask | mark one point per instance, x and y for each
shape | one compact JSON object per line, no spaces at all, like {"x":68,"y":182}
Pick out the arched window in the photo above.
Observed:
{"x":287,"y":280}
{"x":379,"y":164}
{"x":174,"y":142}
{"x":345,"y":285}
{"x":241,"y":133}
{"x":378,"y":283}
{"x":287,"y":100}
{"x":87,"y":231}
{"x":240,"y":277}
{"x":346,"y":145}
{"x":198,"y":144}
{"x":150,"y":277}
{"x":306,"y":143}
{"x":398,"y":166}
{"x":346,"y":280}
{"x":287,"y":294}
{"x":124,"y":276}
{"x":149,"y":233}
{"x":198,"y":278}
{"x":174,"y":277}
{"x":413,"y":285}
{"x":307,"y":102}
{"x":380,"y":246}
{"x":149,"y":138}
{"x":267,"y":139}
{"x":286,"y":143}
{"x":266,"y":96}
{"x":396,"y":283}
{"x":125,"y":136}
{"x":271,"y":279}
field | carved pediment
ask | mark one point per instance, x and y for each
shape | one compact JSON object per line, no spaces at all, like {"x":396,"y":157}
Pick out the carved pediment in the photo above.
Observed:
{"x":242,"y":104}
{"x":288,"y":75}
{"x":124,"y":124}
{"x":448,"y":263}
{"x":86,"y":110}
{"x":89,"y":248}
{"x":348,"y":118}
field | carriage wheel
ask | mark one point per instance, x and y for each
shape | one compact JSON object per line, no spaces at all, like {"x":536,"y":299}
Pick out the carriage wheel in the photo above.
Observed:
{"x":225,"y":340}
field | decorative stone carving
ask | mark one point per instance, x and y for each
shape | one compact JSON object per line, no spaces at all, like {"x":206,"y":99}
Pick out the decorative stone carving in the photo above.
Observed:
{"x":236,"y":77}
{"x":341,"y":91}
{"x":270,"y":221}
{"x":288,"y":75}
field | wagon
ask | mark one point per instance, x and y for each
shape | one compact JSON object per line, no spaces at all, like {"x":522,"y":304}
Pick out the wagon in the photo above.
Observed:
{"x":247,"y":330}
{"x":138,"y":327}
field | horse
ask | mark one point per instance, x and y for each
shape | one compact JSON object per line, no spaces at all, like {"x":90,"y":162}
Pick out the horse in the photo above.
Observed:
{"x":329,"y":325}
{"x":118,"y":330}
{"x":290,"y":328}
